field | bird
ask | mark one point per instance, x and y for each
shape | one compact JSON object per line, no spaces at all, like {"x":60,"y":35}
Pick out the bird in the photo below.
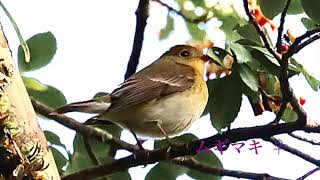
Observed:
{"x":160,"y":101}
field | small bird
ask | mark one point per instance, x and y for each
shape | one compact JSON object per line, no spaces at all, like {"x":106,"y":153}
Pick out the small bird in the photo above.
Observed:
{"x":161,"y":100}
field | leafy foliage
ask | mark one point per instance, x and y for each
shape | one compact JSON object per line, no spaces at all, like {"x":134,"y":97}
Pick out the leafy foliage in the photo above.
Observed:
{"x":165,"y":32}
{"x":254,"y":70}
{"x":46,"y":94}
{"x":80,"y":159}
{"x":225,"y":96}
{"x":171,"y":171}
{"x":42,"y":48}
{"x":311,"y":9}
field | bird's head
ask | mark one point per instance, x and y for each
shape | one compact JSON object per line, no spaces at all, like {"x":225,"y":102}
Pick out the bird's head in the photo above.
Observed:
{"x":187,"y":55}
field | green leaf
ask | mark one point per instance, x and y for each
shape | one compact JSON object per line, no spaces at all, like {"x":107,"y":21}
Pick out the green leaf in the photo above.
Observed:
{"x":295,"y":7}
{"x":42,"y":48}
{"x":308,"y":23}
{"x":53,"y":138}
{"x":248,"y":76}
{"x":243,"y":55}
{"x":59,"y":158}
{"x":289,"y":115}
{"x":217,"y":54}
{"x":165,"y":171}
{"x":311,"y":8}
{"x":196,"y":33}
{"x":198,"y":3}
{"x":249,"y":32}
{"x":313,"y":82}
{"x":271,"y":8}
{"x":80,"y":158}
{"x":229,"y":17}
{"x":225,"y":97}
{"x":46,"y":94}
{"x":265,"y":62}
{"x":165,"y":32}
{"x":210,"y":159}
{"x":120,"y":176}
{"x":185,"y":138}
{"x":100,"y":94}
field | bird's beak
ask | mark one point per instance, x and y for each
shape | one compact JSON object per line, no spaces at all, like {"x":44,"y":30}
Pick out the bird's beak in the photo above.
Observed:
{"x":206,"y":58}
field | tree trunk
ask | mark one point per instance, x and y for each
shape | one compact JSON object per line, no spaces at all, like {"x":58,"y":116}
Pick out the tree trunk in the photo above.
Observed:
{"x":23,"y":147}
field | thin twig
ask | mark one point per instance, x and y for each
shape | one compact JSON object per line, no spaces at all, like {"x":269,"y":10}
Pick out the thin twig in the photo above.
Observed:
{"x":142,"y":14}
{"x":194,"y":164}
{"x":298,"y":40}
{"x":311,"y":141}
{"x":283,"y":107}
{"x":307,"y":42}
{"x":280,"y":29}
{"x":202,"y":18}
{"x":309,"y":173}
{"x":294,"y":151}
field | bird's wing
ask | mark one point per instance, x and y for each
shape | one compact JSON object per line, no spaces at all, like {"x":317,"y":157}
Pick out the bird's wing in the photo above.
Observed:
{"x":148,"y":85}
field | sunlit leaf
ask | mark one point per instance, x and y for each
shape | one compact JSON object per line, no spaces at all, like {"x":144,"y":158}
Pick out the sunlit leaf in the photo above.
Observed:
{"x":42,"y":48}
{"x":289,"y":115}
{"x":196,"y":33}
{"x":308,"y":23}
{"x":249,"y":32}
{"x":243,"y":55}
{"x":165,"y":32}
{"x":46,"y":94}
{"x":248,"y":76}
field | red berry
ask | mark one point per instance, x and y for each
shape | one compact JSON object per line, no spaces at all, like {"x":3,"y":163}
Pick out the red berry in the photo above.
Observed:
{"x":302,"y":101}
{"x":284,"y":47}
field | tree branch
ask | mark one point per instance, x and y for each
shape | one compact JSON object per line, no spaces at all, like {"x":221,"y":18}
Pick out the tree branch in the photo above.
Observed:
{"x":295,"y":45}
{"x":149,"y":157}
{"x":260,"y":31}
{"x":85,"y":130}
{"x":194,"y":21}
{"x":286,"y":90}
{"x":294,"y":151}
{"x":194,"y":164}
{"x":309,"y":173}
{"x":142,"y":14}
{"x":280,"y":29}
{"x":313,"y":142}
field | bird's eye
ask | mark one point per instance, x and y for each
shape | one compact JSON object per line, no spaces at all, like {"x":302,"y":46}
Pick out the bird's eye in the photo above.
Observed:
{"x":184,"y":53}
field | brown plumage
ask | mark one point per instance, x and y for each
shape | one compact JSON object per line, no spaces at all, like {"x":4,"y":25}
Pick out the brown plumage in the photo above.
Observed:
{"x":162,"y":99}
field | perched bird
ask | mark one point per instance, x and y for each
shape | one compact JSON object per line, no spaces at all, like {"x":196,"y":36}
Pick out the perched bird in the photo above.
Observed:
{"x":161,"y":100}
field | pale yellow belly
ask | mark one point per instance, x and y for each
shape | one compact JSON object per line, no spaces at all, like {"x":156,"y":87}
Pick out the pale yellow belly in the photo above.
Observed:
{"x":174,"y":113}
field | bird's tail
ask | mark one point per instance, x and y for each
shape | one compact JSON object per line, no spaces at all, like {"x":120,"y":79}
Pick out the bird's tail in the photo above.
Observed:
{"x":95,"y":106}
